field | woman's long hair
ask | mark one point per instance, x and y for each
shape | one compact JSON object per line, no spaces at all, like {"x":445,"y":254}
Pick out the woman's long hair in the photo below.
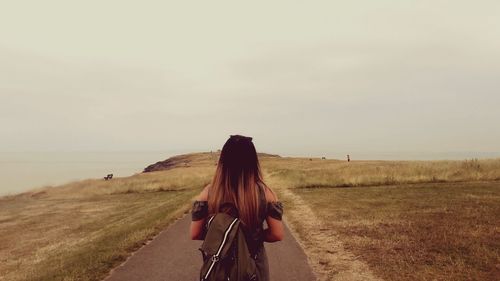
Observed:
{"x":236,"y":180}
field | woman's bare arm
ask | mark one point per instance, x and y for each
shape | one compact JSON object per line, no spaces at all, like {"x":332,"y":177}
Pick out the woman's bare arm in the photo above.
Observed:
{"x":274,"y":231}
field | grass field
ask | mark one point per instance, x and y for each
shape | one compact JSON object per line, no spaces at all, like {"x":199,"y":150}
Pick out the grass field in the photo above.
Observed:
{"x":443,"y":231}
{"x":79,"y":231}
{"x":397,"y":220}
{"x":378,"y":220}
{"x":302,"y":172}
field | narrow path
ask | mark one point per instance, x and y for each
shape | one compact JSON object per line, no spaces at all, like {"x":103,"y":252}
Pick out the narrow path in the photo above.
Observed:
{"x":172,"y":256}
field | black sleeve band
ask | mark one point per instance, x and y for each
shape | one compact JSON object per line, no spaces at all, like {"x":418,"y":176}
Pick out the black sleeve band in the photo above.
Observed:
{"x":199,"y":210}
{"x":275,"y":210}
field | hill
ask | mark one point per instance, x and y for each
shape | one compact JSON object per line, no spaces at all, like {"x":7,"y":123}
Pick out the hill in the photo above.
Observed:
{"x":187,"y":160}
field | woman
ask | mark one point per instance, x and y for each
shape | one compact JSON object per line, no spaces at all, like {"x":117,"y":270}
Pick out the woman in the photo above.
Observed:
{"x":238,"y":180}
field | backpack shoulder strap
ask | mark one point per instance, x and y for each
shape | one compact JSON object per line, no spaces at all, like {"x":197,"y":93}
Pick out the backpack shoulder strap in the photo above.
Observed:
{"x":222,"y":230}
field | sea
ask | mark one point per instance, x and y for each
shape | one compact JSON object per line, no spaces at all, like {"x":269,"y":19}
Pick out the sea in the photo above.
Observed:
{"x":22,"y":171}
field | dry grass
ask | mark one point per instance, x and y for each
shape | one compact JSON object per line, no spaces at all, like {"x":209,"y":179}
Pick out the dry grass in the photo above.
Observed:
{"x":80,"y":230}
{"x":300,"y":172}
{"x":445,"y":231}
{"x":434,"y":221}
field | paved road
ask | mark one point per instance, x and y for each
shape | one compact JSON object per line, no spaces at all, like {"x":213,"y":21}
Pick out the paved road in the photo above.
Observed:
{"x":171,"y":256}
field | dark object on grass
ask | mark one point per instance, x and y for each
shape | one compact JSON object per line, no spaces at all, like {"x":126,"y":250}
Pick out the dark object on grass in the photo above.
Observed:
{"x":108,"y":177}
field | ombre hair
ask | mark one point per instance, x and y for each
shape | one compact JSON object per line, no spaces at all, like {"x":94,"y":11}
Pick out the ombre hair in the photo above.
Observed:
{"x":237,"y":180}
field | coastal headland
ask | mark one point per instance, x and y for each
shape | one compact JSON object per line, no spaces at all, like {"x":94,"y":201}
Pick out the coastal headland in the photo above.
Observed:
{"x":427,"y":219}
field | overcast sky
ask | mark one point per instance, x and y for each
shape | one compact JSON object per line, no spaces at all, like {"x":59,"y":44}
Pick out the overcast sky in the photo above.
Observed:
{"x":301,"y":77}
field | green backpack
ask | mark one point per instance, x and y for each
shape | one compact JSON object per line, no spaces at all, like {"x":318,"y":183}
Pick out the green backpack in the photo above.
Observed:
{"x":225,"y":252}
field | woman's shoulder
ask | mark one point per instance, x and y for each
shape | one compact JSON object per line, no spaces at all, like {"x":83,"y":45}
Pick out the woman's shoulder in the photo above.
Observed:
{"x":274,"y":207}
{"x":203,"y":196}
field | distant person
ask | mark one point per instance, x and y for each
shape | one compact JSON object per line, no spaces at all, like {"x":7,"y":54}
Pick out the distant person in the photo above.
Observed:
{"x":348,"y":158}
{"x":238,"y":181}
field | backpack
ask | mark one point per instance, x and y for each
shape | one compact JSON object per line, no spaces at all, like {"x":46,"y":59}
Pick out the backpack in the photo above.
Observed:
{"x":225,"y":252}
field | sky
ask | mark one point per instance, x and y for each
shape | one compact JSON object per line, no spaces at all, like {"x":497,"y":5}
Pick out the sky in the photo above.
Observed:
{"x":300,"y":77}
